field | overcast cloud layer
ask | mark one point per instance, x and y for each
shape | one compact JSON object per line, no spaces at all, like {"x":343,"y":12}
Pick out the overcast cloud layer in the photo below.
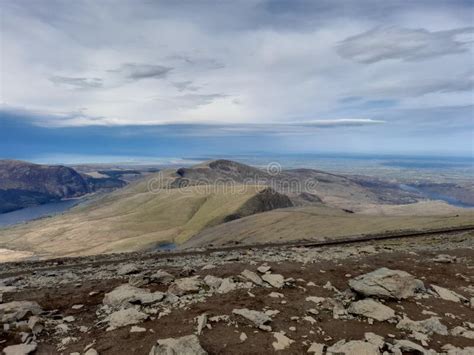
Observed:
{"x":391,"y":69}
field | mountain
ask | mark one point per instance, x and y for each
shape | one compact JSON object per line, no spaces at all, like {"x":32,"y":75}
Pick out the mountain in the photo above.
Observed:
{"x":24,"y":184}
{"x":222,"y":203}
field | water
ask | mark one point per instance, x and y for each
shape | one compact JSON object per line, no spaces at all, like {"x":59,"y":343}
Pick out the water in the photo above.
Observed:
{"x":166,"y":247}
{"x":436,"y":196}
{"x":35,"y":212}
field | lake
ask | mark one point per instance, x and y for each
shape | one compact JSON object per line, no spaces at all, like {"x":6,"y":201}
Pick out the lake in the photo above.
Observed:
{"x":35,"y":212}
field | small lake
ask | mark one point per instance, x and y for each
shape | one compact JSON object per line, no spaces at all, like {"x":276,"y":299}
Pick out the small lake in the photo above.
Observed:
{"x":35,"y":212}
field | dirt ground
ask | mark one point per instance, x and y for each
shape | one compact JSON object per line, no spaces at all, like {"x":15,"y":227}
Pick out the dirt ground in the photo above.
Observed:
{"x":224,"y":337}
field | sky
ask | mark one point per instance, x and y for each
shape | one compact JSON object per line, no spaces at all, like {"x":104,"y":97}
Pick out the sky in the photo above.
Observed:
{"x":184,"y":78}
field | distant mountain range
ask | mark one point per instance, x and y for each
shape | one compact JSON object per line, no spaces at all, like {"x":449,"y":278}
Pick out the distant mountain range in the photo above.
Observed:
{"x":24,"y":184}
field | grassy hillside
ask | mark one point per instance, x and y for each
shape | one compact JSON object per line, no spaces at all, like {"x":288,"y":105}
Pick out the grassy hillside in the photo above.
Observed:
{"x":320,"y":223}
{"x":129,"y":220}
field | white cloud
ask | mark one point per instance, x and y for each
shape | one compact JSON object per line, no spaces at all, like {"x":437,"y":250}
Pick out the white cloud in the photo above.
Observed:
{"x":250,"y":62}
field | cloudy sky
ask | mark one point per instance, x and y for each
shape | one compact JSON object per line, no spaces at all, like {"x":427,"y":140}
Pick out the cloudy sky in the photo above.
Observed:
{"x":206,"y":77}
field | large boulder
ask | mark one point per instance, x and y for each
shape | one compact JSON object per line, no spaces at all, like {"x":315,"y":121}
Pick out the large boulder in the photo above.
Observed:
{"x":125,"y":295}
{"x":187,"y":345}
{"x":386,"y":283}
{"x":372,"y":309}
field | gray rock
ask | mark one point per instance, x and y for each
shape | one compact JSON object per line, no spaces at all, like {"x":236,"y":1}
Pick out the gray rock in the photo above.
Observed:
{"x":187,"y":345}
{"x":125,"y":295}
{"x":185,"y":286}
{"x":252,"y":276}
{"x":162,"y":277}
{"x":127,"y":269}
{"x":372,"y":309}
{"x":20,"y":349}
{"x":447,"y":295}
{"x":91,"y":351}
{"x":256,"y":317}
{"x":427,"y":326}
{"x":409,"y":346}
{"x":353,"y":347}
{"x":18,"y":310}
{"x":213,"y":281}
{"x":444,"y":259}
{"x":462,"y":332}
{"x":227,"y":286}
{"x":386,"y":283}
{"x":124,"y":317}
{"x":316,"y":349}
{"x":274,"y":280}
{"x":282,"y":341}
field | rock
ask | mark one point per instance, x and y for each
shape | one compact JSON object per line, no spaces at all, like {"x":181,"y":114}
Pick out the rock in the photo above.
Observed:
{"x":69,"y":319}
{"x":372,"y":309}
{"x":263,"y":269}
{"x":227,"y":286}
{"x":444,"y":259}
{"x":135,"y":329}
{"x":250,"y":275}
{"x":127,"y":269}
{"x":124,"y":317}
{"x":409,"y":346}
{"x":427,"y":326}
{"x":282,"y":341}
{"x":187,"y":271}
{"x":386,"y":283}
{"x":162,"y":277}
{"x":353,"y":347}
{"x":471,"y":302}
{"x":316,"y":348}
{"x":276,"y":295}
{"x":91,"y":351}
{"x":213,"y":281}
{"x":447,"y":295}
{"x":375,"y":339}
{"x":77,"y":306}
{"x":125,"y":295}
{"x":187,"y":345}
{"x":36,"y":325}
{"x":18,"y":310}
{"x":185,"y":286}
{"x":315,"y":299}
{"x":243,"y":337}
{"x":462,"y":332}
{"x":258,"y":318}
{"x":20,"y":349}
{"x":452,"y":350}
{"x":201,"y":321}
{"x":274,"y":280}
{"x":138,"y":280}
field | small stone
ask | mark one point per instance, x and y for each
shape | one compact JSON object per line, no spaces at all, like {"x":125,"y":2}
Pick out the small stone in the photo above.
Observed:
{"x":316,"y":348}
{"x":136,"y":329}
{"x":77,"y":306}
{"x":263,"y":269}
{"x":276,"y":295}
{"x":282,"y":341}
{"x":184,"y":345}
{"x":243,"y":337}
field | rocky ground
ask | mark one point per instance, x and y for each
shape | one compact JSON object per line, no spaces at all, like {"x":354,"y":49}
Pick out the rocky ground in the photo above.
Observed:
{"x":410,"y":296}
